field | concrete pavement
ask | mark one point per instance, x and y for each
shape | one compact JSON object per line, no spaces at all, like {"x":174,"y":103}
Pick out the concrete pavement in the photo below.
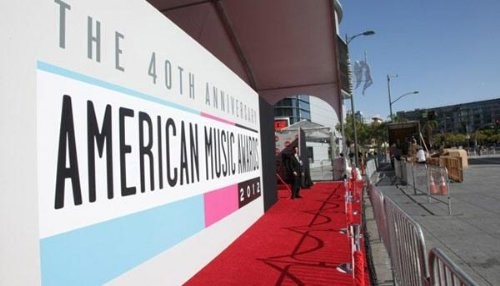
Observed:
{"x":470,"y":236}
{"x":379,"y":259}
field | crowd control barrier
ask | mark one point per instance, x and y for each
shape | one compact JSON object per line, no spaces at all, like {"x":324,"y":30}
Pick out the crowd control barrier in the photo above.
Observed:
{"x":377,"y":200}
{"x":427,"y":179}
{"x":352,"y":207}
{"x":438,"y":185}
{"x":371,"y":168}
{"x":453,"y":164}
{"x":443,"y":271}
{"x":401,"y":171}
{"x":407,"y":247}
{"x":404,"y":241}
{"x":397,"y":169}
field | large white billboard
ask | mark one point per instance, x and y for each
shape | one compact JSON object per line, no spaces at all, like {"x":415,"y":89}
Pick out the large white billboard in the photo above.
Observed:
{"x":147,"y":148}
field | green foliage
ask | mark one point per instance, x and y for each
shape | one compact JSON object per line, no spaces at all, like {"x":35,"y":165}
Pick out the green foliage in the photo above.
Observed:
{"x":374,"y":134}
{"x":480,"y":137}
{"x":369,"y":135}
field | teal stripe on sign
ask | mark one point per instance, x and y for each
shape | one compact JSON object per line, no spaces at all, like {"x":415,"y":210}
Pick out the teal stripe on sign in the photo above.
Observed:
{"x":111,"y":86}
{"x":96,"y":254}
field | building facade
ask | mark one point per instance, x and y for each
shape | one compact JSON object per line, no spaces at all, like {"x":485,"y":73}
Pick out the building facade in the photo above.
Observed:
{"x":296,"y":108}
{"x":459,"y":118}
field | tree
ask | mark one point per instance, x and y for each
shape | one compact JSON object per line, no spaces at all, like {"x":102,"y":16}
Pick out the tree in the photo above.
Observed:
{"x":428,"y":127}
{"x":367,"y":133}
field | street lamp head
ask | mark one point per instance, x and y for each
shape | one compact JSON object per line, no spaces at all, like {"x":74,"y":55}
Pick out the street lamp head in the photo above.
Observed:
{"x":403,"y":95}
{"x":365,"y":33}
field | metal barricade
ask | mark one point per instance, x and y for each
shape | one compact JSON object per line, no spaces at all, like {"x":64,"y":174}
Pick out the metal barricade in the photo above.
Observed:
{"x":430,"y":180}
{"x":407,"y":247}
{"x":326,"y":171}
{"x":404,"y":241}
{"x":397,"y":169}
{"x":443,"y":271}
{"x":371,"y":168}
{"x":408,"y":173}
{"x":438,"y":185}
{"x":420,"y":178}
{"x":377,"y":200}
{"x":404,"y":173}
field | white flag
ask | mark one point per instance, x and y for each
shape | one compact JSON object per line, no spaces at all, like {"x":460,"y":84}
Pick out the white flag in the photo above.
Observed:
{"x":361,"y":72}
{"x":368,"y":78}
{"x":358,"y":73}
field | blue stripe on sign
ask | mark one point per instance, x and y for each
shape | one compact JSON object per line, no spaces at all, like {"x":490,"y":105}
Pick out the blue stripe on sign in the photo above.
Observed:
{"x":111,"y":86}
{"x":96,"y":254}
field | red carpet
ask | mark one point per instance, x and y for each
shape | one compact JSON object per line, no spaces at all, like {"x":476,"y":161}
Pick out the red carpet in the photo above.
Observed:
{"x":297,"y":242}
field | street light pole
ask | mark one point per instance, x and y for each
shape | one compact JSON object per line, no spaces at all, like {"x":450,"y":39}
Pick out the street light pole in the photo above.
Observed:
{"x":389,"y":93}
{"x":401,"y":96}
{"x":347,"y":41}
{"x":353,"y":116}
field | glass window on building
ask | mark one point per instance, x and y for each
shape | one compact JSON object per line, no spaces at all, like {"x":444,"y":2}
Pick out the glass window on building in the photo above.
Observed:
{"x":297,"y":108}
{"x":286,"y":102}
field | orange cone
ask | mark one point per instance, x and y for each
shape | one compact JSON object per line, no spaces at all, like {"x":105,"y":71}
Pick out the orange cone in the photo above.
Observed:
{"x":432,"y":186}
{"x":443,"y":189}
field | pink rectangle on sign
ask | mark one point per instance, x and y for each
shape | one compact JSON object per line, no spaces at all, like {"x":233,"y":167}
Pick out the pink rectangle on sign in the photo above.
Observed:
{"x":208,"y":115}
{"x":220,"y":203}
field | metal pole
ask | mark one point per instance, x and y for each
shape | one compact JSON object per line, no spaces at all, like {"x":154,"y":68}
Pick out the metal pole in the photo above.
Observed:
{"x":389,"y":93}
{"x":353,"y":114}
{"x":347,"y":41}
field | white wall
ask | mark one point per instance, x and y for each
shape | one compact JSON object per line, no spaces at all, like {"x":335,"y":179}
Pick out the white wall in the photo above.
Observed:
{"x":320,"y":151}
{"x":322,"y":113}
{"x":157,"y":220}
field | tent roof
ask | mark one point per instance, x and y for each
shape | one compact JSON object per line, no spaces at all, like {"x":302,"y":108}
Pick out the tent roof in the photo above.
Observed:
{"x":311,"y":130}
{"x":306,"y":125}
{"x":280,"y":47}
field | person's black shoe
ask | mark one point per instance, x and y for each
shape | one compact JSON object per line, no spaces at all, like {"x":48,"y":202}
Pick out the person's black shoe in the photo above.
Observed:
{"x":299,"y":197}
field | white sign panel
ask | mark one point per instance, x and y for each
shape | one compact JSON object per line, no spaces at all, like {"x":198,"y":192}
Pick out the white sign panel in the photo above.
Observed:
{"x":145,"y":143}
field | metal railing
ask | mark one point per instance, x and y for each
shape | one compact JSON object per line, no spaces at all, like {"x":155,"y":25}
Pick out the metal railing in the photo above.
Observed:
{"x":323,"y":172}
{"x":398,"y":169}
{"x":405,"y":244}
{"x":430,"y":180}
{"x":438,"y":185}
{"x":443,"y":271}
{"x":377,"y":200}
{"x":371,"y":168}
{"x":407,"y":247}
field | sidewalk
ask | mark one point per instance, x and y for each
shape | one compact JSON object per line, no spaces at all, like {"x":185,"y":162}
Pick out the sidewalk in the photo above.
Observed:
{"x":380,"y":267}
{"x":470,"y":236}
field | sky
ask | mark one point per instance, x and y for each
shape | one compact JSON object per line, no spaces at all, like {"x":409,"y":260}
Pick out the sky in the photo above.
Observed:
{"x":448,"y":50}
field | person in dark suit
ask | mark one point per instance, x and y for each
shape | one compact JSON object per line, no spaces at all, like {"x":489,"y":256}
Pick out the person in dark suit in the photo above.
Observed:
{"x":295,"y":173}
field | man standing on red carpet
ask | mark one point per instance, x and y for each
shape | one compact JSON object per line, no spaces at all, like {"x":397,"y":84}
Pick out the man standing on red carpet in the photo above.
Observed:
{"x":296,"y":173}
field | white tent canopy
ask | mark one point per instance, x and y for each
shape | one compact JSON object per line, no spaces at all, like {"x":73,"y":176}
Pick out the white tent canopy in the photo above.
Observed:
{"x":280,"y":47}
